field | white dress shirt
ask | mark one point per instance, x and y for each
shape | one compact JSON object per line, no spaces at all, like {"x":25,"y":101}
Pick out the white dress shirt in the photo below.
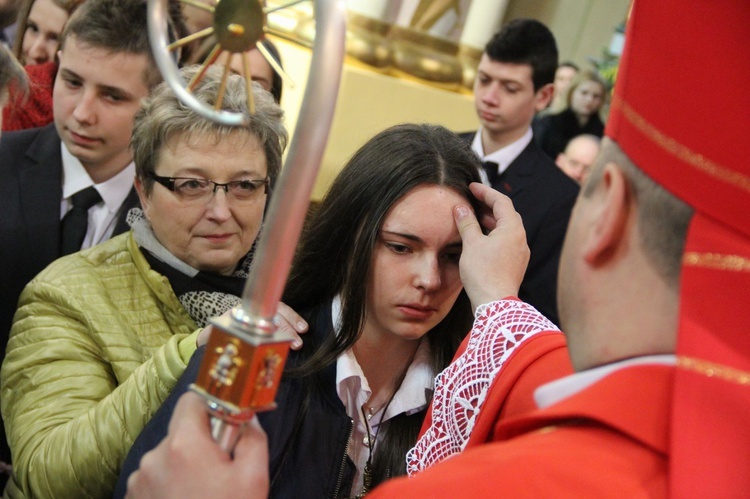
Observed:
{"x":503,"y":156}
{"x":103,"y":215}
{"x":563,"y":388}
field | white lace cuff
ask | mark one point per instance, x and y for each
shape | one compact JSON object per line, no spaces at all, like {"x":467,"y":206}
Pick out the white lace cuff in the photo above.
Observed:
{"x":461,"y":389}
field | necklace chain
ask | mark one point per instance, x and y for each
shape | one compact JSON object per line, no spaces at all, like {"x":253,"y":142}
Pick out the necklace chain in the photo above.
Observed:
{"x":371,"y":438}
{"x":367,"y":413}
{"x":371,"y":410}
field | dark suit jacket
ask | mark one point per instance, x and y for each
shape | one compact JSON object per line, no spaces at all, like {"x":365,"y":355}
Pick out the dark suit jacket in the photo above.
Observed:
{"x":553,"y":131}
{"x":544,"y":196}
{"x":30,"y":197}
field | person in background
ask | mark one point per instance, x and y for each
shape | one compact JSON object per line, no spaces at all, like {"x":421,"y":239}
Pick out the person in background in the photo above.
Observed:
{"x":564,"y":74}
{"x":585,"y":99}
{"x":40,"y":25}
{"x":260,"y":70}
{"x":37,"y":110}
{"x":12,"y":78}
{"x":377,"y":277}
{"x":578,"y":157}
{"x":197,"y":19}
{"x":111,"y":329}
{"x":514,"y":82}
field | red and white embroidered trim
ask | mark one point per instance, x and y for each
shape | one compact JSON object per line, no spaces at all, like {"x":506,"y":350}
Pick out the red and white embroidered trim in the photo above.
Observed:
{"x":461,"y":389}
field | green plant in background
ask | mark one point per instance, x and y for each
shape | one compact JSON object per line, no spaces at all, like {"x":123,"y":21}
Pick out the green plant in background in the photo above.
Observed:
{"x":607,"y":67}
{"x":609,"y":62}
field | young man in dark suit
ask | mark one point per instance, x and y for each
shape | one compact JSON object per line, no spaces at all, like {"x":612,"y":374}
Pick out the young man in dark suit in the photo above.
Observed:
{"x":515,"y":81}
{"x":106,"y":69}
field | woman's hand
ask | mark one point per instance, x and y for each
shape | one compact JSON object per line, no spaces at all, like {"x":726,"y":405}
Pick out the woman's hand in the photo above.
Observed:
{"x":288,"y":321}
{"x":492,"y":266}
{"x":291,"y":322}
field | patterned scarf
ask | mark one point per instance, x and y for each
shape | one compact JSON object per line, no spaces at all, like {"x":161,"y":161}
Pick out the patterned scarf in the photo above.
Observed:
{"x":204,"y":295}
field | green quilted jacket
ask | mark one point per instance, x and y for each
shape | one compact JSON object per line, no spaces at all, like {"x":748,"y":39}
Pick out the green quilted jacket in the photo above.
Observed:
{"x":98,"y":342}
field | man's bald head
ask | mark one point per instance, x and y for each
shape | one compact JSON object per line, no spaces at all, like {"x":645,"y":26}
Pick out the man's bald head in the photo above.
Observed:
{"x":578,"y":156}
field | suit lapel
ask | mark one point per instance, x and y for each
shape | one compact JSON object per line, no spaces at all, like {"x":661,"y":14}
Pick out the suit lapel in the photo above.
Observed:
{"x":40,"y":190}
{"x":519,"y":175}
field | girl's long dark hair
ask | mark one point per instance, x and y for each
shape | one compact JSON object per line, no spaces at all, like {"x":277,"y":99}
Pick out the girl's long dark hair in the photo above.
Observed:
{"x":336,"y":247}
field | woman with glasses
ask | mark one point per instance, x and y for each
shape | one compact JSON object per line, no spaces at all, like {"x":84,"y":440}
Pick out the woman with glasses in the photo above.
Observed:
{"x":377,"y":276}
{"x":102,"y":336}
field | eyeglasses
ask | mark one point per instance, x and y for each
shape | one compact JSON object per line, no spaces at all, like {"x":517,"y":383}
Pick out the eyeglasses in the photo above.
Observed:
{"x":202,"y":190}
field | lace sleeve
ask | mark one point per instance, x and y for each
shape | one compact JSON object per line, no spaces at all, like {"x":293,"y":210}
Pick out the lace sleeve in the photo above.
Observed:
{"x":461,"y":389}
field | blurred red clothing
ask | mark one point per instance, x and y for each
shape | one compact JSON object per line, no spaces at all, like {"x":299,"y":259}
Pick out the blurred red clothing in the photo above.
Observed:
{"x":609,"y":440}
{"x":36,"y":110}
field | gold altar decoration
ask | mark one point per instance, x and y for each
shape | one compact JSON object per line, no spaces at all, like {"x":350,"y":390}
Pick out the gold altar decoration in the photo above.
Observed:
{"x":400,"y":50}
{"x":367,"y":40}
{"x":468,"y":57}
{"x":433,"y":59}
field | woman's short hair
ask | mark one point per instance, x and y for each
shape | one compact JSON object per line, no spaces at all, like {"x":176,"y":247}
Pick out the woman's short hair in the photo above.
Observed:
{"x":164,"y":116}
{"x":663,"y":219}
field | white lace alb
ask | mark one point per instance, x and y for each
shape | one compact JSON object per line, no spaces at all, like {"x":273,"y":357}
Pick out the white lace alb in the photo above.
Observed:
{"x":461,"y":389}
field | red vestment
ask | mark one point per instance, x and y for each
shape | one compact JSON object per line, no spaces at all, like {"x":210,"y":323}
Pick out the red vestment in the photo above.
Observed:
{"x":608,"y":440}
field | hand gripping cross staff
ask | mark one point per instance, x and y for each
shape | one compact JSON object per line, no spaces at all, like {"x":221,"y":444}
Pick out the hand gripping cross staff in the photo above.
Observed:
{"x":245,"y":355}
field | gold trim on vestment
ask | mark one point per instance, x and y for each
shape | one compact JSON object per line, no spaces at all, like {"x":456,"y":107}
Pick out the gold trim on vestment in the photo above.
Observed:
{"x":679,"y":150}
{"x":712,"y":370}
{"x":716,"y":261}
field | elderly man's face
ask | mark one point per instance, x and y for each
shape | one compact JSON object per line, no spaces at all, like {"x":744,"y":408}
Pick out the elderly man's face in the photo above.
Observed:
{"x":578,"y":157}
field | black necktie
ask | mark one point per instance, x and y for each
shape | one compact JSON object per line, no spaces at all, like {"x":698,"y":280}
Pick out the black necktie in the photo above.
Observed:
{"x":76,"y":221}
{"x":490,"y":167}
